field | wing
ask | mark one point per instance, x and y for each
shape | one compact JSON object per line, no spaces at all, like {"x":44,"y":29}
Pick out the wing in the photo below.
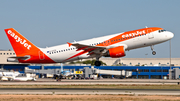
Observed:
{"x":87,"y":48}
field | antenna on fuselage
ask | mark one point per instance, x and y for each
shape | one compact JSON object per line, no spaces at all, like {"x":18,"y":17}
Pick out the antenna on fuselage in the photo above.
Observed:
{"x":146,"y":26}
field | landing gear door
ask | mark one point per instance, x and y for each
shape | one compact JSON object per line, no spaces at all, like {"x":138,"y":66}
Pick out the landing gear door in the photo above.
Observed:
{"x":150,"y":34}
{"x":41,"y":55}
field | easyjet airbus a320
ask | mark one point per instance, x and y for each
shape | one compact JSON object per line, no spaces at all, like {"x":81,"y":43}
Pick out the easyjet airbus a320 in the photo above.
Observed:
{"x":108,"y":46}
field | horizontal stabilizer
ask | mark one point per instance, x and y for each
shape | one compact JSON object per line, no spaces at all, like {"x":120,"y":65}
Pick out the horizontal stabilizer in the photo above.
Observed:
{"x":15,"y":59}
{"x":12,"y":60}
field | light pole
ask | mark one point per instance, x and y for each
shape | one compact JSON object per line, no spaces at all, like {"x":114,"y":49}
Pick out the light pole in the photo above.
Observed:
{"x":146,"y":54}
{"x":146,"y":58}
{"x":170,"y":72}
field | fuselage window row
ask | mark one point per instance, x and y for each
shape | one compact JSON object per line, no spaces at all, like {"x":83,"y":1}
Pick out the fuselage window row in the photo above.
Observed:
{"x":104,"y":42}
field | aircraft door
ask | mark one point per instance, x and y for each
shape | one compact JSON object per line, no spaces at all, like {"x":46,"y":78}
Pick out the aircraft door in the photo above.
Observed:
{"x":41,"y":55}
{"x":150,"y":34}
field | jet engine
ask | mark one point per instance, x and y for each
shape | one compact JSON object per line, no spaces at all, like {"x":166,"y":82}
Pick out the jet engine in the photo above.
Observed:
{"x":115,"y":52}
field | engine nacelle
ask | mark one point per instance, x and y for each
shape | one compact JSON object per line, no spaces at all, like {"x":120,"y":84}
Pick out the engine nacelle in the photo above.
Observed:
{"x":116,"y":52}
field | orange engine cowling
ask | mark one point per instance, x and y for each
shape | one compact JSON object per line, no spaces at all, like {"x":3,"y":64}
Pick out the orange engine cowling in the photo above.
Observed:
{"x":116,"y":52}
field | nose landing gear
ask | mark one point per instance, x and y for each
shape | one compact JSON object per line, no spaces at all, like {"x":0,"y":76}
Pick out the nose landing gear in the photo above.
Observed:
{"x":153,"y":52}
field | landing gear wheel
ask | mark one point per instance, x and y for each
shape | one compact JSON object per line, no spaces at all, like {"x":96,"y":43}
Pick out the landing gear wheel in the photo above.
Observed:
{"x":97,"y":63}
{"x":154,"y":53}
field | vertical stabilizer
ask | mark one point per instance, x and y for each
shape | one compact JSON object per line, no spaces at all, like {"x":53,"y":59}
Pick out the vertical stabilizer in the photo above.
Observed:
{"x":24,"y":48}
{"x":19,"y":43}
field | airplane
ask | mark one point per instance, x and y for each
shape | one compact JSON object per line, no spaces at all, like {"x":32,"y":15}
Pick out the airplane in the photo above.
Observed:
{"x":8,"y":76}
{"x":113,"y":46}
{"x":15,"y":76}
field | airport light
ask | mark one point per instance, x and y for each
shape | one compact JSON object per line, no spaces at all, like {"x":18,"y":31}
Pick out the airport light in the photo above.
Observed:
{"x":146,"y":59}
{"x":170,"y":73}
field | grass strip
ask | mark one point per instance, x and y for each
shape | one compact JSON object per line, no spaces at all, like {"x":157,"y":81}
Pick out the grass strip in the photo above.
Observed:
{"x":104,"y":86}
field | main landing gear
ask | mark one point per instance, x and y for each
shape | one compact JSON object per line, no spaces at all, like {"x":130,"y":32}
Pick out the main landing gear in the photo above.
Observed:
{"x":97,"y":62}
{"x":153,"y":52}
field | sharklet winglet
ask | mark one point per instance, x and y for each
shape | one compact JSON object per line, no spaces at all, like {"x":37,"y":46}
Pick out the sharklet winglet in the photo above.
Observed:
{"x":69,"y":44}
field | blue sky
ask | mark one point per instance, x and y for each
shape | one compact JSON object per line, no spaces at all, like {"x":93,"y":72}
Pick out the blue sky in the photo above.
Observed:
{"x":54,"y":22}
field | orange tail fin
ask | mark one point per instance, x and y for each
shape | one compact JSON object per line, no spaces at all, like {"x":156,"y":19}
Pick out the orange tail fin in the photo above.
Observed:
{"x":24,"y":48}
{"x":19,"y":43}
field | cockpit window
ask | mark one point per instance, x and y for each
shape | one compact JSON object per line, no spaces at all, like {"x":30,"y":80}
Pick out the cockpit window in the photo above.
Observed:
{"x":162,"y":30}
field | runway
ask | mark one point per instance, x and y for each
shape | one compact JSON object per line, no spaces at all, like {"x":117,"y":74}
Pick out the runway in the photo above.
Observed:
{"x":84,"y":90}
{"x":47,"y":81}
{"x":70,"y":91}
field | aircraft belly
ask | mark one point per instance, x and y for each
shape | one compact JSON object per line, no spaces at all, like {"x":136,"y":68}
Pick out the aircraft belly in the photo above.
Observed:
{"x":69,"y":56}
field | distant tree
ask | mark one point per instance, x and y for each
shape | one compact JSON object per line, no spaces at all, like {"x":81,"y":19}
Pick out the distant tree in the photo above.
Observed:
{"x":78,"y":62}
{"x":72,"y":62}
{"x":92,"y":62}
{"x":87,"y":62}
{"x":137,"y":65}
{"x":143,"y":65}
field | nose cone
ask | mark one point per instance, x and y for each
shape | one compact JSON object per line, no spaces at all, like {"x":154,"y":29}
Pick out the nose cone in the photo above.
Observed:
{"x":170,"y":35}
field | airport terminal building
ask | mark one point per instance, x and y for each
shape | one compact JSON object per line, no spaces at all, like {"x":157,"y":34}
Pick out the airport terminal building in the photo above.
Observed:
{"x":142,"y":68}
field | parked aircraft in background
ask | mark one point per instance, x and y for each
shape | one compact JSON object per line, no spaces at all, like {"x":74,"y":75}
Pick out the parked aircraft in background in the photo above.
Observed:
{"x":108,"y":46}
{"x":16,"y":76}
{"x":8,"y":75}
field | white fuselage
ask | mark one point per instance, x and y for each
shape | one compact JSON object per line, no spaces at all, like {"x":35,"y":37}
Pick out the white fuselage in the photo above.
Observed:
{"x":62,"y":52}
